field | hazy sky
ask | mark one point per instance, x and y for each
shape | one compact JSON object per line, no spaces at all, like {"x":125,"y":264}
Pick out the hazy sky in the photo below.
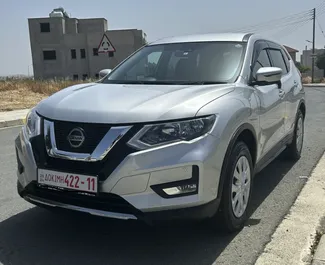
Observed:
{"x":157,"y":18}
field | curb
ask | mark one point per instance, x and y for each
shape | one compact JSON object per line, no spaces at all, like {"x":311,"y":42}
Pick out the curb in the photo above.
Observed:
{"x":297,"y":236}
{"x":314,"y":85}
{"x":319,"y":257}
{"x":10,"y":123}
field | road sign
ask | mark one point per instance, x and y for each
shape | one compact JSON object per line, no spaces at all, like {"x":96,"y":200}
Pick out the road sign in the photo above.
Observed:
{"x":105,"y":45}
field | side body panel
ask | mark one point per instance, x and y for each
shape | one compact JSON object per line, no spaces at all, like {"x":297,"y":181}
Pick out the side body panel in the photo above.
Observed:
{"x":292,"y":87}
{"x":272,"y":107}
{"x":294,"y":98}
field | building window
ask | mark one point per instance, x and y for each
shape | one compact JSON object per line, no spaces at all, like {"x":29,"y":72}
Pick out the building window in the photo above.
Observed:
{"x":111,"y":54}
{"x":82,"y":53}
{"x":95,"y":51}
{"x":96,"y":76}
{"x":49,"y":55}
{"x":84,"y":77}
{"x":75,"y":77}
{"x":45,"y":27}
{"x":73,"y":54}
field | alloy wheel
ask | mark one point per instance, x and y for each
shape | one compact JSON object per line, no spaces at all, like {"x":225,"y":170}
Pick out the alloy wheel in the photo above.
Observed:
{"x":240,"y":190}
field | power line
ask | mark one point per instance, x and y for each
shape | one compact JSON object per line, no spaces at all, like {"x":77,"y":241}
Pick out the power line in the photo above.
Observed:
{"x":282,"y":22}
{"x":320,"y":27}
{"x":321,"y":8}
{"x":276,"y":26}
{"x":321,"y":5}
{"x":289,"y":30}
{"x":275,"y":23}
{"x":321,"y":11}
{"x":291,"y":19}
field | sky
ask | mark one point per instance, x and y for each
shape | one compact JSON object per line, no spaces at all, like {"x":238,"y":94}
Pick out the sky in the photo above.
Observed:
{"x":157,"y":19}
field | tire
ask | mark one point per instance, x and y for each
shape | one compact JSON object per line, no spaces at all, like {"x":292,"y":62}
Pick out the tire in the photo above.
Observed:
{"x":231,"y":219}
{"x":293,"y":151}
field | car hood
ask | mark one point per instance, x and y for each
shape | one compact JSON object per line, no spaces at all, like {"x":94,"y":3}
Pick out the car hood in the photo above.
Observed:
{"x":121,"y":104}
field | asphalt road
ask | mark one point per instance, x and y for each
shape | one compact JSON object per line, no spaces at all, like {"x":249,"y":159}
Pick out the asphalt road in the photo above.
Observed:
{"x":29,"y":235}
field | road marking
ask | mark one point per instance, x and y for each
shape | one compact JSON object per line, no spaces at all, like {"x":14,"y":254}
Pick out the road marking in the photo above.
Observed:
{"x":293,"y":240}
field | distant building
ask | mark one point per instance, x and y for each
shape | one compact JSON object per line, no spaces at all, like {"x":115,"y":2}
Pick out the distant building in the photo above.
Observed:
{"x":65,"y":47}
{"x":292,"y":52}
{"x":306,"y":60}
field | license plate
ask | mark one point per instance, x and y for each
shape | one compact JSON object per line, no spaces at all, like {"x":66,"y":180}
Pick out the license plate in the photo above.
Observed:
{"x":68,"y":180}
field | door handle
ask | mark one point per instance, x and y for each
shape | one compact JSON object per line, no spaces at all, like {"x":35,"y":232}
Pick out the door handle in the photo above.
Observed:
{"x":281,"y":93}
{"x":295,"y":84}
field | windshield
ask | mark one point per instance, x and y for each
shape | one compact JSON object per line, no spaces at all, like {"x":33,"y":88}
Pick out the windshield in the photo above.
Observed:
{"x":181,"y":63}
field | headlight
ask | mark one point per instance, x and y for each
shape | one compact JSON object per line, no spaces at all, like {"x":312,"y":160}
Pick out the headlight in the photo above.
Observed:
{"x":165,"y":133}
{"x":32,"y":124}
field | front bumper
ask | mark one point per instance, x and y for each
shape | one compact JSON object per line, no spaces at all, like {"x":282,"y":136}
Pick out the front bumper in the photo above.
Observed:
{"x":130,"y":190}
{"x":111,"y":206}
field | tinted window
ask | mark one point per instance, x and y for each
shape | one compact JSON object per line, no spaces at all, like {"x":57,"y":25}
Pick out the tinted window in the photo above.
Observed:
{"x":278,"y":60}
{"x":262,"y":61}
{"x":179,"y":63}
{"x":286,"y":59}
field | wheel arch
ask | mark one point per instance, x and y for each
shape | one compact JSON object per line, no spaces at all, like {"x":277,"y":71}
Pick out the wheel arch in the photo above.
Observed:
{"x":302,"y":107}
{"x":245,"y":133}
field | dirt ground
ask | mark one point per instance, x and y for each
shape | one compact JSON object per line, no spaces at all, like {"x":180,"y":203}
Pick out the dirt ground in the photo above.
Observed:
{"x":21,"y":94}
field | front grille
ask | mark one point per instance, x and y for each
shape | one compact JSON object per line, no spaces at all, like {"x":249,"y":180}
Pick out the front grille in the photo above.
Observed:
{"x":93,"y":133}
{"x":103,"y":201}
{"x":102,"y":168}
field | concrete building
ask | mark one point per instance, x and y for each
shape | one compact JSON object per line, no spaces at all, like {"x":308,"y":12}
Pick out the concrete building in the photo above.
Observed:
{"x":306,"y":60}
{"x":64,"y":47}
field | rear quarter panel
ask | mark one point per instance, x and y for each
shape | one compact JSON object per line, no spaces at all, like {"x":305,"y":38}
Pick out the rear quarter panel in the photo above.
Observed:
{"x":295,"y":96}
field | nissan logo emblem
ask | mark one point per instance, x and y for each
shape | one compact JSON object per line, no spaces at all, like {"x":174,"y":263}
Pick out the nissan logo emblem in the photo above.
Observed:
{"x":76,"y":137}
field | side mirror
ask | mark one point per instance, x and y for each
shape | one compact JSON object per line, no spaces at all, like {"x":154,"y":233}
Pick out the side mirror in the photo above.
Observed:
{"x":104,"y":72}
{"x":269,"y":76}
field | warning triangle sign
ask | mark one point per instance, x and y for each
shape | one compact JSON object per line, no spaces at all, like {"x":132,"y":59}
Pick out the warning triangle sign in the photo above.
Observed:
{"x":105,"y":45}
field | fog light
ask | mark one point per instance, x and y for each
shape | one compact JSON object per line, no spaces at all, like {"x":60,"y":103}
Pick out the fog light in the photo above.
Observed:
{"x":180,"y":189}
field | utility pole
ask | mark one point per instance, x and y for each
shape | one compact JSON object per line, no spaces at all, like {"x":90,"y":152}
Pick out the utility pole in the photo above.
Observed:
{"x":313,"y":56}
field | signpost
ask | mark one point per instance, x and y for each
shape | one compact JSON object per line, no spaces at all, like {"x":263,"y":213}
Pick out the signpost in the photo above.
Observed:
{"x":105,"y":45}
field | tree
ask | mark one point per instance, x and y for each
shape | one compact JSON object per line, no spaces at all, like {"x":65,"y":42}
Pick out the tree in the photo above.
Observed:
{"x":320,"y":62}
{"x":302,"y":68}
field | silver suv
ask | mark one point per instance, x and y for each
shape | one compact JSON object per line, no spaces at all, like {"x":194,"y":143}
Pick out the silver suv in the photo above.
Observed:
{"x":176,"y":131}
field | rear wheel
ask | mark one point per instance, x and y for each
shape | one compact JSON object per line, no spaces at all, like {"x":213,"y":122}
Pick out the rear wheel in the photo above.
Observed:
{"x":293,"y":151}
{"x":237,"y":189}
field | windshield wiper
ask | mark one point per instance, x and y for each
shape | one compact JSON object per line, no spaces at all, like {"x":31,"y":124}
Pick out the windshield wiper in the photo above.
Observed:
{"x":204,"y":83}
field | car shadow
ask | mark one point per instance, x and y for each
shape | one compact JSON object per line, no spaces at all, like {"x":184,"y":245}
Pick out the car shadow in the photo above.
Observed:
{"x":37,"y":236}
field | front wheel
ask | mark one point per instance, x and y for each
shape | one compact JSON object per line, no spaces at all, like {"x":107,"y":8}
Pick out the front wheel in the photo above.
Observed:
{"x":293,"y":151}
{"x":237,"y":190}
